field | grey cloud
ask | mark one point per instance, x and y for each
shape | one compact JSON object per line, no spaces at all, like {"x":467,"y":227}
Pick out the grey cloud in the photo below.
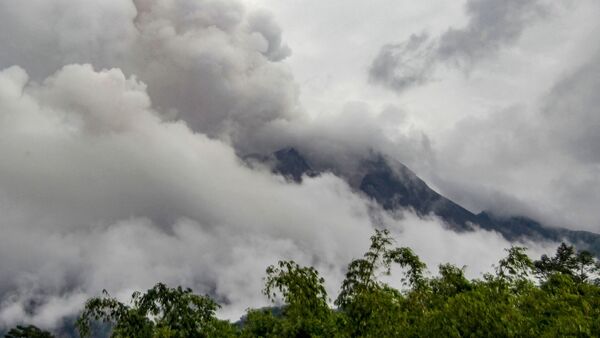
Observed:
{"x":571,"y":109}
{"x":401,"y":66}
{"x":210,"y":63}
{"x":79,"y":191}
{"x":110,"y":196}
{"x":491,"y":25}
{"x":571,"y":121}
{"x":339,"y":141}
{"x":42,"y":36}
{"x":546,"y":154}
{"x":273,"y":47}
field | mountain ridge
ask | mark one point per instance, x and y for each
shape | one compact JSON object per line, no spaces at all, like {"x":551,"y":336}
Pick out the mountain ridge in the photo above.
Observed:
{"x":399,"y":187}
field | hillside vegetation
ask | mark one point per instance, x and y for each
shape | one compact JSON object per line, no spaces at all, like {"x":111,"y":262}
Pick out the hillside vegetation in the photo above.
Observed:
{"x":550,"y":297}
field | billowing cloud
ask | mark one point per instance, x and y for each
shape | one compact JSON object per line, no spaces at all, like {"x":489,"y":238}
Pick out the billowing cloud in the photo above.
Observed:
{"x":491,"y":25}
{"x":210,"y":63}
{"x":98,"y":192}
{"x":340,"y":141}
{"x":400,"y":66}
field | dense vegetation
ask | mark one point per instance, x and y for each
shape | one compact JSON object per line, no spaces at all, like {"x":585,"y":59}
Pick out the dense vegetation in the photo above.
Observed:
{"x":549,"y":297}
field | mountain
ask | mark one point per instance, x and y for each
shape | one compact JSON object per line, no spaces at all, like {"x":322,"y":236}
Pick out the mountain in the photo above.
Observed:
{"x":399,"y":187}
{"x":291,"y":164}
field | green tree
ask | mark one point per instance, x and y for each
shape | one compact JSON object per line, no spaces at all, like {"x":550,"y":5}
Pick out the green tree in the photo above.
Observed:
{"x":371,"y":307}
{"x":451,"y":281}
{"x":29,"y":331}
{"x":563,"y":302}
{"x":305,"y":311}
{"x":261,"y":323}
{"x":160,"y":312}
{"x":362,"y":273}
{"x":578,"y":265}
{"x":516,"y":266}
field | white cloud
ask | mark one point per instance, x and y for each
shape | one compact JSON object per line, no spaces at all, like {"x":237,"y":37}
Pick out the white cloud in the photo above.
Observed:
{"x":112,"y":197}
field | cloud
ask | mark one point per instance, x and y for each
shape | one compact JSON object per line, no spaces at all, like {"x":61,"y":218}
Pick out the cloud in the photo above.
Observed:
{"x":213,"y":64}
{"x":340,"y":141}
{"x":82,"y":183}
{"x":571,"y":109}
{"x":491,"y":25}
{"x":401,"y":66}
{"x":266,"y":29}
{"x":550,"y":145}
{"x":99,"y":192}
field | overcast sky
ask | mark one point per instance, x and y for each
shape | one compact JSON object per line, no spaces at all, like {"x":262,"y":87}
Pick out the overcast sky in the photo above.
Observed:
{"x":505,"y":91}
{"x":122,"y":124}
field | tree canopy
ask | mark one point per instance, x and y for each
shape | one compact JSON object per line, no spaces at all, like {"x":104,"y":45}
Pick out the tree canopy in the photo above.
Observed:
{"x":550,"y":297}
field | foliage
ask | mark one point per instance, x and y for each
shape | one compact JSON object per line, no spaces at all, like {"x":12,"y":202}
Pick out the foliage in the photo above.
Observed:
{"x":578,"y":265}
{"x":28,"y":332}
{"x":306,"y":313}
{"x":160,"y":312}
{"x":371,"y":306}
{"x":550,"y":297}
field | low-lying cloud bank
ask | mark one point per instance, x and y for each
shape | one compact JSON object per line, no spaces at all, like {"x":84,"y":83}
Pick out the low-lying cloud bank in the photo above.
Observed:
{"x":99,"y":192}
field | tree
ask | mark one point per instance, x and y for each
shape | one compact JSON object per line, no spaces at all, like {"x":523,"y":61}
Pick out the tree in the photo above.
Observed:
{"x":567,"y":261}
{"x":451,"y":281}
{"x":160,"y":312}
{"x":564,"y":302}
{"x":305,"y":313}
{"x":372,"y":308}
{"x":362,"y":273}
{"x":515,"y":266}
{"x":29,"y":331}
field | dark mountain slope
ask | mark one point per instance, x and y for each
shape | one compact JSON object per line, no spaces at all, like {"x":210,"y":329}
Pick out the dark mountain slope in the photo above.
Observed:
{"x":291,"y":164}
{"x":399,"y":187}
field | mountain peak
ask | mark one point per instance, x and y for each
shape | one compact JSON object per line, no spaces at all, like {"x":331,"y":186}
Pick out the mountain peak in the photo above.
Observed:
{"x":395,"y":186}
{"x":291,"y":164}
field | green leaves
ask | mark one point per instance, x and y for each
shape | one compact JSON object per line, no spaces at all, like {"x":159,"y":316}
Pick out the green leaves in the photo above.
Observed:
{"x":28,"y":332}
{"x":516,"y":265}
{"x":299,"y":286}
{"x":160,"y":312}
{"x":406,"y":258}
{"x":581,"y":266}
{"x":305,"y":312}
{"x":362,"y":273}
{"x":563,"y":301}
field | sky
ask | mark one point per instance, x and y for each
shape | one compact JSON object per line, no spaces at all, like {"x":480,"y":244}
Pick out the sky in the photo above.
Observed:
{"x":504,"y":91}
{"x":123,"y":125}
